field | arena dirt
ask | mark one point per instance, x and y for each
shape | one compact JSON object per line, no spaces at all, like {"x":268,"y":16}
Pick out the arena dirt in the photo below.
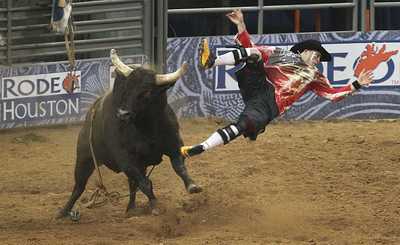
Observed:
{"x":299,"y":183}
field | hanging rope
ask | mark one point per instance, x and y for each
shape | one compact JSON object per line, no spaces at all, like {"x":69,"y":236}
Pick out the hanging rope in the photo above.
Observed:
{"x":70,"y":82}
{"x":61,"y":22}
{"x":69,"y":42}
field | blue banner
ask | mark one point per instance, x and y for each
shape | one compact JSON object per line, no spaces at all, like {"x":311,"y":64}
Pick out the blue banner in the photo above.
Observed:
{"x":45,"y":94}
{"x":214,"y":92}
{"x":41,"y":94}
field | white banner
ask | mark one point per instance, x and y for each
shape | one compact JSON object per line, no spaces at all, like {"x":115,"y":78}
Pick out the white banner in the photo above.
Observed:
{"x":381,"y":58}
{"x":36,"y":85}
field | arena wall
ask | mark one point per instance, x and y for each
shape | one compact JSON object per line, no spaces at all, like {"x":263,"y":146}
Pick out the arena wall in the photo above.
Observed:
{"x":33,"y":94}
{"x":214,"y":93}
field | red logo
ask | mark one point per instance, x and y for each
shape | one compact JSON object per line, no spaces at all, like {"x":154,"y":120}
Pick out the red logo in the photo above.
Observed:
{"x":371,"y":57}
{"x":70,"y":82}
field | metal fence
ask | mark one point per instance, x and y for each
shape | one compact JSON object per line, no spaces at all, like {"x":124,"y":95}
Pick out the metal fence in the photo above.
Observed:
{"x":260,"y":8}
{"x":134,"y":27}
{"x":99,"y":26}
{"x":374,"y":4}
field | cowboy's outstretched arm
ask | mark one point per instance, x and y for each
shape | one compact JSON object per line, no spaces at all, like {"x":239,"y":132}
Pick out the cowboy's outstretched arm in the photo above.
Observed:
{"x":242,"y":37}
{"x":236,"y":16}
{"x":323,"y":88}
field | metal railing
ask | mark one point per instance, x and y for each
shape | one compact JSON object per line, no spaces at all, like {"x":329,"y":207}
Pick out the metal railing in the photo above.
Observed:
{"x":127,"y":25}
{"x":260,"y":8}
{"x":99,"y":26}
{"x":374,"y":4}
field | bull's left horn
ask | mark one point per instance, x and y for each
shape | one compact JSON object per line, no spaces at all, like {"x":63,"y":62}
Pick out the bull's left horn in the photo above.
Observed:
{"x":171,"y":77}
{"x":119,"y":65}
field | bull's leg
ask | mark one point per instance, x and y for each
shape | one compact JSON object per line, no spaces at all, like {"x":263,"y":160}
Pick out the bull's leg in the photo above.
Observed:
{"x":154,"y":208}
{"x":132,"y":193}
{"x":83,"y":170}
{"x":178,"y":164}
{"x":144,"y":184}
{"x":131,"y":209}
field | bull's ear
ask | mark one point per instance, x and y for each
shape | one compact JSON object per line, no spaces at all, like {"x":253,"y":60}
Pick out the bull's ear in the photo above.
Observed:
{"x":169,"y":78}
{"x":119,"y":65}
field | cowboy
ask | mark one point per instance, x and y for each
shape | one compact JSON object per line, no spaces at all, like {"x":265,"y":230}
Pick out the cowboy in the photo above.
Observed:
{"x":270,"y":82}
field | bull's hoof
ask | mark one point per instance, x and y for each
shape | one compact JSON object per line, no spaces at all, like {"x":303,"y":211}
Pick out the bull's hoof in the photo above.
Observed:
{"x":193,"y":188}
{"x":155,"y":208}
{"x":73,"y":215}
{"x":155,"y":211}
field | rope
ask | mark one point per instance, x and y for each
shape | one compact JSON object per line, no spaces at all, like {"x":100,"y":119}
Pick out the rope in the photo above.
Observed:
{"x":101,"y":191}
{"x":69,"y":42}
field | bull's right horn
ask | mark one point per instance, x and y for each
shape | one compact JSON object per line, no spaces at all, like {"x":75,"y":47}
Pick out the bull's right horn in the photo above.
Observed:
{"x":119,"y":65}
{"x":165,"y":79}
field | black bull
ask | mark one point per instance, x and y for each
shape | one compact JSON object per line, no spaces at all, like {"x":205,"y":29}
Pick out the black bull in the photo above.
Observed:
{"x":132,"y":127}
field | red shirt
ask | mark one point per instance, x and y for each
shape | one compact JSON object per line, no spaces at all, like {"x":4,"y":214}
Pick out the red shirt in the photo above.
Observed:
{"x":291,"y":77}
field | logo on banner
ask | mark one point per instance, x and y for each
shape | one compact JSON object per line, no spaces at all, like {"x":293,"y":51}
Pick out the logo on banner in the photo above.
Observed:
{"x":43,"y":96}
{"x":371,"y":58}
{"x":71,"y":82}
{"x":348,"y":60}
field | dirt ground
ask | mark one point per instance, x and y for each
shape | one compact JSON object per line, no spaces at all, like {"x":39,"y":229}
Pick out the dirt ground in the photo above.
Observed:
{"x":331,"y":182}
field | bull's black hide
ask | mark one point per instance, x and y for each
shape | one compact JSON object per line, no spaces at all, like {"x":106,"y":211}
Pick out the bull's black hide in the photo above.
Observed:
{"x":132,"y":127}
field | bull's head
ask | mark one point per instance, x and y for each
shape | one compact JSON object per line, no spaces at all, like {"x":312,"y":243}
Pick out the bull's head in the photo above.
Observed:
{"x":136,"y":88}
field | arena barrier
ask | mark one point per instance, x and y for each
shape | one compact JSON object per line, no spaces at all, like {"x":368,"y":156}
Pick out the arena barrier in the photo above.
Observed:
{"x":34,"y":95}
{"x":214,"y":93}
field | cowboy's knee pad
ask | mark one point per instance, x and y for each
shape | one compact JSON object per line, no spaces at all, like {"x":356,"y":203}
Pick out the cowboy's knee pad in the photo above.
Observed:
{"x":239,"y":54}
{"x":229,"y":133}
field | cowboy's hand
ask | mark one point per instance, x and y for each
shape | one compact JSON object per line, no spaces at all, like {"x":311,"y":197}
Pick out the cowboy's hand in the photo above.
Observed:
{"x":365,"y":78}
{"x":236,"y":16}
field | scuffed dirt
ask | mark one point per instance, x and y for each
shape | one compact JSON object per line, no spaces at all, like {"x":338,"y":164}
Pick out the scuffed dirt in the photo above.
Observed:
{"x":300,"y":183}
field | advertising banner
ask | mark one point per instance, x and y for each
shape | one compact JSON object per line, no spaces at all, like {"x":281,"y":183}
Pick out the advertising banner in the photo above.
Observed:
{"x":29,"y":98}
{"x":214,"y":92}
{"x":44,"y":94}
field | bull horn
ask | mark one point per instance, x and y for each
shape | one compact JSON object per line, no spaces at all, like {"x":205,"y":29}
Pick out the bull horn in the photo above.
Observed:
{"x":119,"y":65}
{"x":165,"y":79}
